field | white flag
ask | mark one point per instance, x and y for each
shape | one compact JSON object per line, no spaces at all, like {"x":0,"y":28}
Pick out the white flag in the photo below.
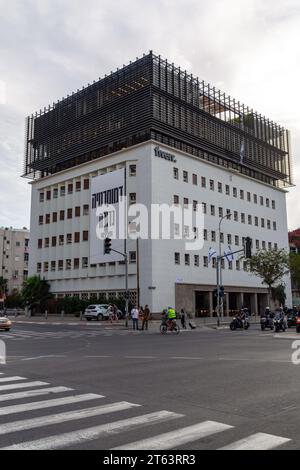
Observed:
{"x":242,"y":151}
{"x":211,"y":253}
{"x":228,"y":254}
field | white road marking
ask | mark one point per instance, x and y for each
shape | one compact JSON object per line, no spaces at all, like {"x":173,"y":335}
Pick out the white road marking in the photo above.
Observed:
{"x":187,"y":358}
{"x":259,"y":441}
{"x":42,"y":357}
{"x":172,"y":439}
{"x":22,"y":385}
{"x":38,"y":405}
{"x":12,"y":379}
{"x":82,"y":435}
{"x":64,"y":417}
{"x":34,"y":393}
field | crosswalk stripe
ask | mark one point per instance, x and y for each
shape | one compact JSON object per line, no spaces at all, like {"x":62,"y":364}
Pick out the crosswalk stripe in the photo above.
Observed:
{"x":38,"y":405}
{"x":11,"y":379}
{"x":22,"y":385}
{"x":64,"y":417}
{"x":172,"y":439}
{"x":258,"y":441}
{"x":33,"y":393}
{"x":82,"y":435}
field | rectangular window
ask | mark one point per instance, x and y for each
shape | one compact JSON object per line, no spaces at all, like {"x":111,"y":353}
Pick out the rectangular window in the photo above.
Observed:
{"x":274,"y":226}
{"x":78,"y":186}
{"x":213,"y":236}
{"x":187,"y":259}
{"x":227,"y":189}
{"x":203,"y":182}
{"x":230,"y":265}
{"x":220,"y":211}
{"x":196,"y":260}
{"x":40,"y":243}
{"x":212,"y":210}
{"x":86,"y":184}
{"x":256,"y":221}
{"x":195,"y":204}
{"x":175,"y":199}
{"x":249,"y":219}
{"x":70,"y":188}
{"x":62,"y":215}
{"x":237,"y":265}
{"x":84,"y":262}
{"x":61,"y":240}
{"x":54,"y":216}
{"x":69,"y":238}
{"x":263,"y":223}
{"x":42,"y":197}
{"x":177,"y":258}
{"x":132,"y":170}
{"x":261,"y":200}
{"x":48,"y":195}
{"x":234,"y":192}
{"x":132,"y":198}
{"x":204,"y":207}
{"x":195,"y":179}
{"x":269,"y":224}
{"x":85,"y":235}
{"x":47,"y":219}
{"x":205,"y":261}
{"x":53,"y":265}
{"x":205,"y":234}
{"x":211,"y":185}
{"x":185,"y":176}
{"x":229,"y":239}
{"x":267,"y":202}
{"x":69,"y":213}
{"x":46,"y":266}
{"x":62,"y":190}
{"x":255,"y":198}
{"x":68,"y":264}
{"x":76,"y":237}
{"x":47,"y":242}
{"x":275,"y":246}
{"x":38,"y":267}
{"x":53,"y":241}
{"x":86,"y":209}
{"x":76,"y":263}
{"x":242,"y":217}
{"x":221,"y":237}
{"x":185,"y":201}
{"x":175,"y":173}
{"x":132,"y":257}
{"x":235,"y":216}
{"x":220,"y":190}
{"x":263,"y":244}
{"x":77,"y":211}
{"x":273,"y":204}
{"x":257,"y":244}
{"x":55,"y":193}
{"x":40,"y":220}
{"x":60,"y":265}
{"x":248,"y":196}
{"x":236,"y":240}
{"x":241,"y":194}
{"x":214,"y":263}
{"x":270,"y":246}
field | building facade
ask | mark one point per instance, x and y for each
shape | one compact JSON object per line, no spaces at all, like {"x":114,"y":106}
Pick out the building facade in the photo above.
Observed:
{"x":181,"y":142}
{"x":14,"y":249}
{"x":294,"y":243}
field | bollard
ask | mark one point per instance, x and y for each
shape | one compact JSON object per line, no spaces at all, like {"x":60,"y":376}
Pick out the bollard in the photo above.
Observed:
{"x":62,"y":313}
{"x":46,"y":314}
{"x":81,"y":315}
{"x":16,"y":313}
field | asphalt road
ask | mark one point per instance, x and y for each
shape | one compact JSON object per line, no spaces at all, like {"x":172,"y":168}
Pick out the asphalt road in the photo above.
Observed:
{"x":203,"y":389}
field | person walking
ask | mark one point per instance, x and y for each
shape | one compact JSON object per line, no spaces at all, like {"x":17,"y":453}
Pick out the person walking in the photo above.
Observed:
{"x":135,"y":317}
{"x":146,"y":318}
{"x":183,"y":318}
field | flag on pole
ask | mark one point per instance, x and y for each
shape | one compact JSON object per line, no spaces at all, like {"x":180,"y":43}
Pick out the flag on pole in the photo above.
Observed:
{"x":228,"y":254}
{"x":211,"y":253}
{"x":242,"y":151}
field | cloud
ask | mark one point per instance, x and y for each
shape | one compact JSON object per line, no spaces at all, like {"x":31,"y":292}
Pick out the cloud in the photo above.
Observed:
{"x":50,"y":48}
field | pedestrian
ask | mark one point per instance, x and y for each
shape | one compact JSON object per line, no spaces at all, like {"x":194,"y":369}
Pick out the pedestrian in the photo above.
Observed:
{"x":183,"y":318}
{"x":146,"y":318}
{"x":135,"y":317}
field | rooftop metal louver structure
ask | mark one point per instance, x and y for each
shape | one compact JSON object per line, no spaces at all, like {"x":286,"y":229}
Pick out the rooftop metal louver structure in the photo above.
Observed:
{"x":153,"y":99}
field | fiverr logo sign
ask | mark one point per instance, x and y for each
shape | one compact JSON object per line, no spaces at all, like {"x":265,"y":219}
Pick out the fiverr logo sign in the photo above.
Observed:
{"x":2,"y":352}
{"x":166,"y":155}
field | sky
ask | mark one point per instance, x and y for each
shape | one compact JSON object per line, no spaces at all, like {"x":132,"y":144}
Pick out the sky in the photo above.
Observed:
{"x":48,"y":48}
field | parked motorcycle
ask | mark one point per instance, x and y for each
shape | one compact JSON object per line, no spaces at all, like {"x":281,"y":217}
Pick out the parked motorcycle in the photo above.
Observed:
{"x":292,"y":319}
{"x":266,"y":322}
{"x":238,"y":323}
{"x":298,"y":325}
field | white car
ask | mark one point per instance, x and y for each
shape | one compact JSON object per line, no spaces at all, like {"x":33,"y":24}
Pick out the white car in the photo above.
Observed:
{"x":97,"y":312}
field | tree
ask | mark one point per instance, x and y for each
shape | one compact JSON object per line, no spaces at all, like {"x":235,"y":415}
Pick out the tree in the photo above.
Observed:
{"x":36,"y":292}
{"x":278,"y":293}
{"x":3,"y":286}
{"x":295,"y":269}
{"x":270,"y":266}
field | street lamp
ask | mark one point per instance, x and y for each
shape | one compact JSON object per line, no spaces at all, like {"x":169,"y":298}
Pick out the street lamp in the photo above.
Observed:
{"x":219,"y":270}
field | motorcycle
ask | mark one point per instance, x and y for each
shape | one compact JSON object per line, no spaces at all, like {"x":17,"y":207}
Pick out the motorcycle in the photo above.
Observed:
{"x":266,"y":322}
{"x":298,"y":325}
{"x":239,"y":323}
{"x":292,"y":319}
{"x":279,"y":324}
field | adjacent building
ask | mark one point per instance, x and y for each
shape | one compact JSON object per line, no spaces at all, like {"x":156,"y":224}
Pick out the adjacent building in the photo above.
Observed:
{"x":14,"y":251}
{"x":294,"y":243}
{"x":180,"y":141}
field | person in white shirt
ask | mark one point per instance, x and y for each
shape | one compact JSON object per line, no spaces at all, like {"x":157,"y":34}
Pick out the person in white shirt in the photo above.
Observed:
{"x":135,"y":317}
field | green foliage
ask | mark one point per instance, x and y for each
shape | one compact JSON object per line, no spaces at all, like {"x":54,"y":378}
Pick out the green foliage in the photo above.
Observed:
{"x":15,"y":300}
{"x":36,"y":292}
{"x":270,"y":265}
{"x":3,"y":286}
{"x":295,"y":269}
{"x":278,"y":293}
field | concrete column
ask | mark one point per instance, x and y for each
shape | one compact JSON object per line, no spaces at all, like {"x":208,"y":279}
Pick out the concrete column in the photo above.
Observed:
{"x":227,"y":304}
{"x":211,"y":304}
{"x":254,"y":304}
{"x":240,"y":300}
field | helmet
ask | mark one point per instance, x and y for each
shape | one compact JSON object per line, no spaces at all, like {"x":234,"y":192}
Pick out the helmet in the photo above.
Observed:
{"x":267,"y":308}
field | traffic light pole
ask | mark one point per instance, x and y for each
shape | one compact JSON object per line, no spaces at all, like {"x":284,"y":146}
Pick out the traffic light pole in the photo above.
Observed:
{"x":126,"y":284}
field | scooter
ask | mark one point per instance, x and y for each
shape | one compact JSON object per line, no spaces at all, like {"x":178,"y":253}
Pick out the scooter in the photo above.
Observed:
{"x":266,"y":322}
{"x":238,"y":323}
{"x":298,"y":325}
{"x":279,"y":324}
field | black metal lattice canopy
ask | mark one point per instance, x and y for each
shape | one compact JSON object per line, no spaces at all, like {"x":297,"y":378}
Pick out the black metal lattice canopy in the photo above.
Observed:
{"x":153,"y":99}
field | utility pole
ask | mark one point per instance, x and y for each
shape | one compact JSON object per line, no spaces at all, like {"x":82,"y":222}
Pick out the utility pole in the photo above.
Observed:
{"x":138,"y":270}
{"x":220,"y":303}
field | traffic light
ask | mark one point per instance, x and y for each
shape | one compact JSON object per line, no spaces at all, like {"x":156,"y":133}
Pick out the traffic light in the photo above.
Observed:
{"x":221,"y":291}
{"x":107,"y":246}
{"x":247,"y":247}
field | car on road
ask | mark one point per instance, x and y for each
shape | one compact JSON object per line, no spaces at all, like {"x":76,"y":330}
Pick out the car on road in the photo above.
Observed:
{"x":99,"y":312}
{"x":5,"y":323}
